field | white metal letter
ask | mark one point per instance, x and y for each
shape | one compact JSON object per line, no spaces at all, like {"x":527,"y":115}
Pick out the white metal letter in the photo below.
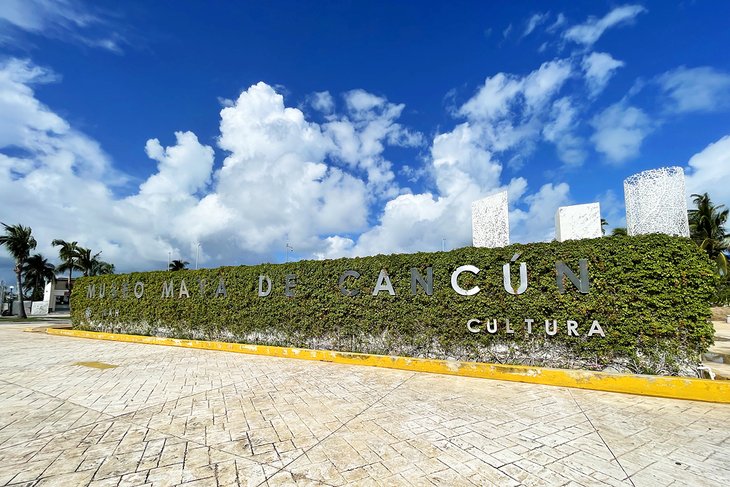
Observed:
{"x":455,"y":280}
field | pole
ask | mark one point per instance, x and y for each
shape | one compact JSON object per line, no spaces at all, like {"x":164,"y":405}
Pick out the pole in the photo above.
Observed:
{"x":197,"y":251}
{"x":443,"y":245}
{"x":169,"y":254}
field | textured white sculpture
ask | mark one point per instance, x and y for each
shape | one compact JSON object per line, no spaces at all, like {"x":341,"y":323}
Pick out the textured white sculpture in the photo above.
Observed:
{"x":490,"y":221}
{"x":578,"y":221}
{"x":655,"y":202}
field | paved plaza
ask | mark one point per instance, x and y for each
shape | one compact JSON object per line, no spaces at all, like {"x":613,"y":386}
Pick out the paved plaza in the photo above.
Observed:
{"x":77,"y":412}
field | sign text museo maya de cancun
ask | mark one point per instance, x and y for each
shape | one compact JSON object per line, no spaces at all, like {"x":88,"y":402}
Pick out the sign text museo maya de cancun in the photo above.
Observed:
{"x":177,"y":288}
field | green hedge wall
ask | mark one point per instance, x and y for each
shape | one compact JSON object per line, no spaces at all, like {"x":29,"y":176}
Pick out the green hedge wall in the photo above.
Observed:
{"x":649,"y":293}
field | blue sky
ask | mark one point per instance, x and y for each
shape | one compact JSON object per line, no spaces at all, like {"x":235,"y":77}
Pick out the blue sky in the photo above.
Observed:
{"x":346,"y":128}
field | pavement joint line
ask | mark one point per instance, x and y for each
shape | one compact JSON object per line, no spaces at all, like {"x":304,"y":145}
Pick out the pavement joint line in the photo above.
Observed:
{"x":184,"y":438}
{"x":109,"y":418}
{"x":628,"y":477}
{"x":659,"y":386}
{"x":366,"y":408}
{"x":47,"y":435}
{"x":326,"y":397}
{"x":129,"y":420}
{"x":121,"y":416}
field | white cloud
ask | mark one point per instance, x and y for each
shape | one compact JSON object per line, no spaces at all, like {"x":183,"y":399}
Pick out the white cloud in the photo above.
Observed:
{"x":506,"y":31}
{"x":506,"y":112}
{"x":534,"y":21}
{"x":323,"y":102}
{"x":619,"y":131}
{"x":593,"y":28}
{"x":560,"y":130}
{"x":36,"y":15}
{"x":360,"y":137}
{"x":274,"y":182}
{"x":599,"y":68}
{"x":30,"y":126}
{"x":501,"y":92}
{"x":709,"y":172}
{"x":702,"y":89}
{"x":537,"y":222}
{"x":68,"y":20}
{"x":513,"y":112}
{"x":559,"y":22}
{"x":183,"y":168}
{"x":282,"y":177}
{"x":277,"y":167}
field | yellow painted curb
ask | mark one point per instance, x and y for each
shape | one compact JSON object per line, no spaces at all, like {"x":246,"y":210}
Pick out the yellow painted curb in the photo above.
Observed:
{"x":646,"y":385}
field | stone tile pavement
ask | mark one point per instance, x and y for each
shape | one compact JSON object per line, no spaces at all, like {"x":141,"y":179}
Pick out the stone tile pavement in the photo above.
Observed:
{"x":174,"y":416}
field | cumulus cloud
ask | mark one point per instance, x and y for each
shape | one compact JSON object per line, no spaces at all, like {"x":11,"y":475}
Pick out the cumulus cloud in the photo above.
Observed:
{"x":501,"y":92}
{"x":282,"y":177}
{"x":708,"y":171}
{"x":515,"y":113}
{"x":702,"y":89}
{"x":275,"y":180}
{"x":322,"y":101}
{"x":599,"y":68}
{"x":183,"y":168}
{"x":361,"y":134}
{"x":593,"y":28}
{"x":504,"y":114}
{"x":326,"y":187}
{"x":620,"y":131}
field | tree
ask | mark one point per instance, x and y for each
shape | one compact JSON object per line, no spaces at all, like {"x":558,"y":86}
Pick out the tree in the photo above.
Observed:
{"x":18,"y":241}
{"x":68,"y":253}
{"x":100,"y":268}
{"x":37,"y":271}
{"x":707,"y":230}
{"x":618,"y":231}
{"x":604,"y":222}
{"x":179,"y":265}
{"x":86,"y":260}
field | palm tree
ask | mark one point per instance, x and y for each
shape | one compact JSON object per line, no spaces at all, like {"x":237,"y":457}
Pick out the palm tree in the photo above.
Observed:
{"x":37,"y":271}
{"x":90,"y":264}
{"x":100,"y":268}
{"x":86,"y":260}
{"x":604,"y":222}
{"x":179,"y":265}
{"x":68,"y":254}
{"x":18,"y":241}
{"x":707,"y":229}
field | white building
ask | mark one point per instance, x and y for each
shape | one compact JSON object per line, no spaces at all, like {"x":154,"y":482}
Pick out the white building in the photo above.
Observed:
{"x":57,"y":294}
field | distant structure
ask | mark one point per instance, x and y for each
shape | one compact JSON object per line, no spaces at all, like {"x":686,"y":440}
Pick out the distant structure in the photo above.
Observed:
{"x":578,"y":221}
{"x":490,"y":221}
{"x":655,"y":202}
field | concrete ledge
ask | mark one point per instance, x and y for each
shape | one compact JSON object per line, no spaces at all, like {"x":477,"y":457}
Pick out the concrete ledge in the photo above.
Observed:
{"x":646,"y":385}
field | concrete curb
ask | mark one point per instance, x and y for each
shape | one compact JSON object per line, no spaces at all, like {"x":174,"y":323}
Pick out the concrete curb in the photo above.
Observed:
{"x":645,"y":385}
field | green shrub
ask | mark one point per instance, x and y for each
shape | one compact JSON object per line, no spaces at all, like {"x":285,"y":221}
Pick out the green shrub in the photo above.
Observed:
{"x":649,"y":293}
